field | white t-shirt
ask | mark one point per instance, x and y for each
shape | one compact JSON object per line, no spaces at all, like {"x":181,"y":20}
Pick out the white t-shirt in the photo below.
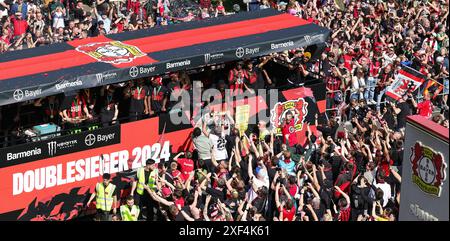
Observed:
{"x":386,"y":191}
{"x":258,"y":183}
{"x":219,"y":142}
{"x":58,"y":20}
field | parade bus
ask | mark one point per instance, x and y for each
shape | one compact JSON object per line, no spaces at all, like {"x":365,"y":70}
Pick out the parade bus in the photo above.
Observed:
{"x":49,"y":175}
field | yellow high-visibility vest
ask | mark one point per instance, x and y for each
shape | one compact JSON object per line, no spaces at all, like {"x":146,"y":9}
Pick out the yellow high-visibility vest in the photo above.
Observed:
{"x":104,"y":196}
{"x":151,"y":182}
{"x":129,"y":215}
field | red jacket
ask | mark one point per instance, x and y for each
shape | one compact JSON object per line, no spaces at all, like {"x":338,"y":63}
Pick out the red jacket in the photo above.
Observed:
{"x":20,"y":26}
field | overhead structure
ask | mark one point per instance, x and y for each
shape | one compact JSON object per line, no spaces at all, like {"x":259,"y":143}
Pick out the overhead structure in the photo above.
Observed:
{"x":63,"y":67}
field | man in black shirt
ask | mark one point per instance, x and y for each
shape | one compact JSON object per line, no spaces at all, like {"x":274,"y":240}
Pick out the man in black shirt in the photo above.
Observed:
{"x":175,"y":90}
{"x":402,"y":109}
{"x":256,"y":74}
{"x":78,"y":12}
{"x":139,"y":94}
{"x":109,"y":113}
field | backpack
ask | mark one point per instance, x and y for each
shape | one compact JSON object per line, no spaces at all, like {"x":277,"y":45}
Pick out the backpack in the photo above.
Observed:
{"x":357,"y":201}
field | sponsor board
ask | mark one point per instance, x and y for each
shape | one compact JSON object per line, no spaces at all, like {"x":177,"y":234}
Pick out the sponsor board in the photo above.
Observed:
{"x":428,"y":169}
{"x":37,"y":181}
{"x":58,"y":146}
{"x":11,"y":156}
{"x":212,"y":57}
{"x":178,"y":64}
{"x":20,"y":94}
{"x":241,"y":52}
{"x":68,"y":84}
{"x":288,"y":44}
{"x":142,"y":70}
{"x":102,"y":77}
{"x":114,"y":52}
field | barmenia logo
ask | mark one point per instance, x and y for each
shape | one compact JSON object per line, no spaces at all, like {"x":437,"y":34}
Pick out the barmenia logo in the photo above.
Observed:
{"x":54,"y":146}
{"x":23,"y":154}
{"x":178,"y":64}
{"x":66,"y":85}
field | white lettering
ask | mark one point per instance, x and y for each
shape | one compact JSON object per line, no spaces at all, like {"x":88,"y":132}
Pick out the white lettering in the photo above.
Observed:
{"x":114,"y":162}
{"x":146,"y":70}
{"x":50,"y":176}
{"x":70,"y":172}
{"x":69,"y":84}
{"x":123,"y":161}
{"x":39,"y":179}
{"x":178,"y":64}
{"x":23,"y":154}
{"x":282,"y":45}
{"x":17,"y":183}
{"x":79,"y":168}
{"x":28,"y":181}
{"x":87,"y":168}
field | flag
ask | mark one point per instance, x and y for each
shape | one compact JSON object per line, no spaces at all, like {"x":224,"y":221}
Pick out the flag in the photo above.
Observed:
{"x":432,"y":87}
{"x":242,"y":117}
{"x":407,"y":81}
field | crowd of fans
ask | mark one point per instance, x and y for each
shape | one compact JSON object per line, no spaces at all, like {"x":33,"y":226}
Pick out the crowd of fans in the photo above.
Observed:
{"x":349,"y":170}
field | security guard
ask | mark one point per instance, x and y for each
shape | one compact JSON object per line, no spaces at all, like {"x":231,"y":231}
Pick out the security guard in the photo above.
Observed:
{"x":106,"y":198}
{"x":129,"y":212}
{"x":145,"y":180}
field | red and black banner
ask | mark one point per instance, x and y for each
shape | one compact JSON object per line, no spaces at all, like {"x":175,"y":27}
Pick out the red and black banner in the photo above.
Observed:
{"x":43,"y":71}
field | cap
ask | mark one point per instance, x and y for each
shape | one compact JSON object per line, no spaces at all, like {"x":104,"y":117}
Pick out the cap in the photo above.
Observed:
{"x":150,"y":162}
{"x":307,"y":54}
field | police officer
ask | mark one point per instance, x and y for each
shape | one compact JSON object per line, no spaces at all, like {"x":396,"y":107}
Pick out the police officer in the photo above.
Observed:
{"x":129,"y":212}
{"x":106,"y":198}
{"x":144,"y":181}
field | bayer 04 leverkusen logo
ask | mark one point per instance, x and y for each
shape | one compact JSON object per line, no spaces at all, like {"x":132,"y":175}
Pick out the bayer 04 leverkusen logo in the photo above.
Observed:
{"x":114,"y":52}
{"x":298,"y":108}
{"x":428,"y":169}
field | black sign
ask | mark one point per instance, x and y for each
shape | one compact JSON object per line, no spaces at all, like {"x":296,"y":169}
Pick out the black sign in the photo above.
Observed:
{"x":58,"y":146}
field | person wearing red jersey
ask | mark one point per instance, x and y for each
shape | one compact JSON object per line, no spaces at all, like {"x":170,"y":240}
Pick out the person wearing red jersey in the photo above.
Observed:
{"x":344,"y":206}
{"x":286,"y":208}
{"x":288,"y":130}
{"x":237,"y":78}
{"x":424,"y":108}
{"x":76,"y":111}
{"x":186,"y":164}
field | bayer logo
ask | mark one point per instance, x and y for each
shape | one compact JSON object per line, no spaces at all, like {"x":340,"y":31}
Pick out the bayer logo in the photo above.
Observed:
{"x":240,"y":52}
{"x":89,"y":140}
{"x":134,"y":71}
{"x":18,"y":94}
{"x":427,"y":170}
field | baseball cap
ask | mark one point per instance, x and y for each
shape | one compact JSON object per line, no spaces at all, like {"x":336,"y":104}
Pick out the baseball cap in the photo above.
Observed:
{"x":307,"y":54}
